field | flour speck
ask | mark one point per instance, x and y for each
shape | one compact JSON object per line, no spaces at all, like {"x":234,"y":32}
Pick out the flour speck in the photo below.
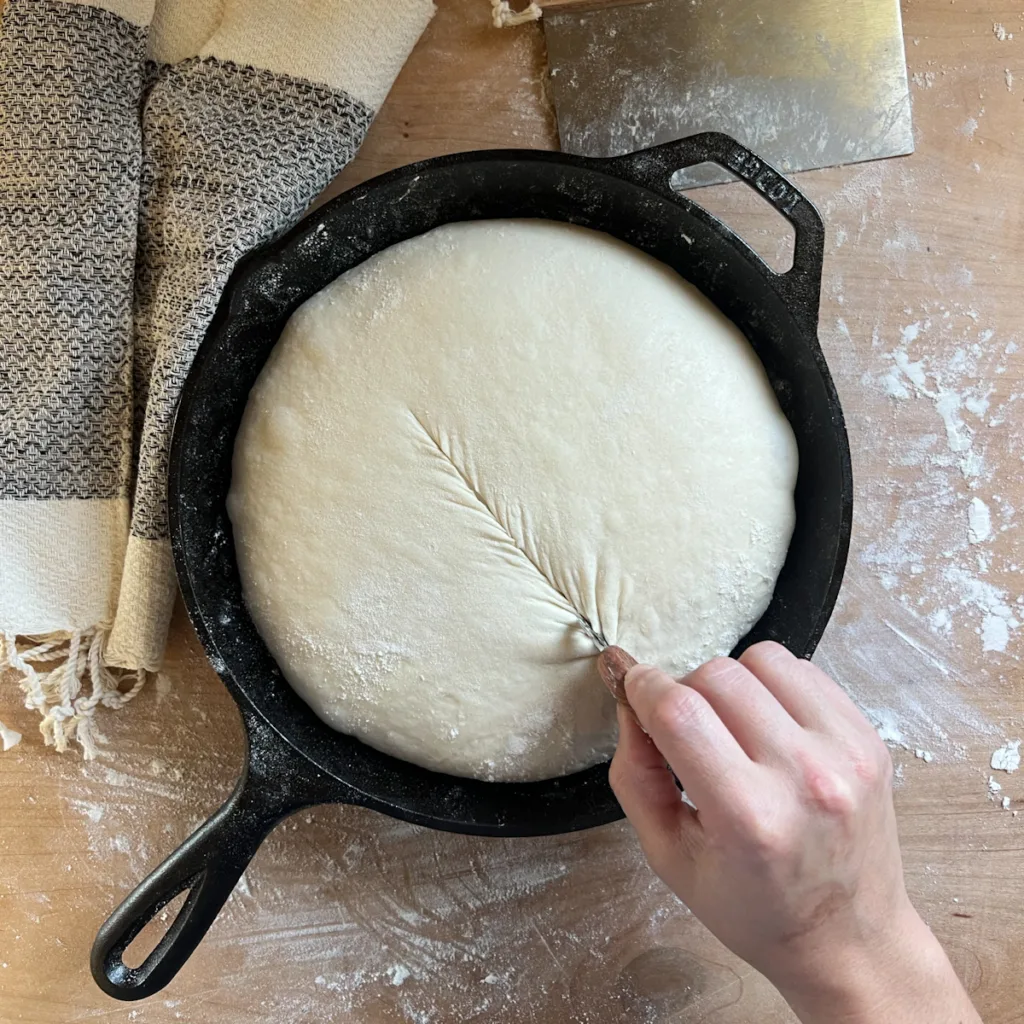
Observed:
{"x":398,"y":973}
{"x":979,"y":521}
{"x":969,"y":127}
{"x":9,"y":737}
{"x":1007,"y":757}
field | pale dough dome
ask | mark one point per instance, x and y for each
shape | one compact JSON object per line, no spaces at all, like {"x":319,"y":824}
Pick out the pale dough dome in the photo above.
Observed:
{"x":474,"y":441}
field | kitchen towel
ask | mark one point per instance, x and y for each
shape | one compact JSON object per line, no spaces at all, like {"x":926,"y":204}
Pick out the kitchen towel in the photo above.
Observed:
{"x":139,"y":163}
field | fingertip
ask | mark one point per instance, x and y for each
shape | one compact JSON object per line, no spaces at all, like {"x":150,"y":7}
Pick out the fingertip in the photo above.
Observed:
{"x":716,"y":671}
{"x":643,"y":679}
{"x":658,"y":700}
{"x":767,"y":652}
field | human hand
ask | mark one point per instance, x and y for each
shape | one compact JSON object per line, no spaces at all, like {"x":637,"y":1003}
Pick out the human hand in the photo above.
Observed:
{"x":792,"y":857}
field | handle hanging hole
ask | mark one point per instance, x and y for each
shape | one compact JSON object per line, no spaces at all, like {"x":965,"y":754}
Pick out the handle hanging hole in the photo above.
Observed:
{"x":153,"y":931}
{"x":741,"y":209}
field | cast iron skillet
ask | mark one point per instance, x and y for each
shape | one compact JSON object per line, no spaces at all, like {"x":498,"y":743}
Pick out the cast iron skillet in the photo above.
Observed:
{"x":294,"y":760}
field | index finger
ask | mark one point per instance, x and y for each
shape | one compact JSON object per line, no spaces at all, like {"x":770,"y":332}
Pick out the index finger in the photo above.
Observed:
{"x":706,"y":757}
{"x":816,"y":701}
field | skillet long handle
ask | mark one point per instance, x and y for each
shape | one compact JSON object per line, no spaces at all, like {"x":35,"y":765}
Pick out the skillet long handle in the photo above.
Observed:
{"x":207,"y":864}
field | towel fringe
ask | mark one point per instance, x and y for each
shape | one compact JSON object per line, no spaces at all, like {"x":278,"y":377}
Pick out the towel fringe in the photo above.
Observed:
{"x":54,"y":669}
{"x":503,"y":16}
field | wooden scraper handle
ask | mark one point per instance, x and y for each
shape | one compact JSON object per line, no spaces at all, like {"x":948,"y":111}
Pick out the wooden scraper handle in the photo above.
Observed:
{"x":612,"y":664}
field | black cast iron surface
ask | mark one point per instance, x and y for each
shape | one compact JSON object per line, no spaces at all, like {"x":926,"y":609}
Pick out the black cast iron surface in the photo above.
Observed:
{"x":294,"y":760}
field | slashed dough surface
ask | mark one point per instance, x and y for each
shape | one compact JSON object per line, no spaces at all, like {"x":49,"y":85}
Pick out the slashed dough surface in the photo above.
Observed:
{"x":470,"y":443}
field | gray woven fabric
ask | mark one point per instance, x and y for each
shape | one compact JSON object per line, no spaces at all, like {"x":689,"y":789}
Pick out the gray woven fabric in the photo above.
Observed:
{"x":128,"y":191}
{"x":70,"y":87}
{"x":232,"y":156}
{"x":71,"y":83}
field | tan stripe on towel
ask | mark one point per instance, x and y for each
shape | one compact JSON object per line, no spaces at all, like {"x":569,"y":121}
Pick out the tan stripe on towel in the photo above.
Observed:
{"x":61,"y":565}
{"x":352,"y":45}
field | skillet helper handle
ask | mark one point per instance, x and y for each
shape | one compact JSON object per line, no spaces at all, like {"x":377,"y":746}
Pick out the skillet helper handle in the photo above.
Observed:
{"x":800,"y":286}
{"x":208,"y":864}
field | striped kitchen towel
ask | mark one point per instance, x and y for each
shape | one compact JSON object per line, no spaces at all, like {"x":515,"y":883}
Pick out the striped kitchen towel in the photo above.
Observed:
{"x":142,"y":153}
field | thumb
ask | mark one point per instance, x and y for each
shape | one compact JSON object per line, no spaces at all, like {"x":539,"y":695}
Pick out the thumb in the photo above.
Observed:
{"x":668,"y":829}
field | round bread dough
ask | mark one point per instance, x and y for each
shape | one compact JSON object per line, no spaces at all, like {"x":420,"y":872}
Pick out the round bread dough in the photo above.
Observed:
{"x":479,"y":450}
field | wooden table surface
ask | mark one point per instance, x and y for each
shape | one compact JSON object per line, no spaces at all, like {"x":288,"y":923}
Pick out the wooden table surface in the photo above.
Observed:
{"x":347,"y":915}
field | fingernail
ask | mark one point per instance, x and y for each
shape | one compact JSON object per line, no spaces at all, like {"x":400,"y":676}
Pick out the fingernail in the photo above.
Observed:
{"x":612,"y":664}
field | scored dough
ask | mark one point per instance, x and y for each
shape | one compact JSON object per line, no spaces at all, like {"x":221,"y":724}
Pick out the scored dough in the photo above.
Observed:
{"x":477,"y":441}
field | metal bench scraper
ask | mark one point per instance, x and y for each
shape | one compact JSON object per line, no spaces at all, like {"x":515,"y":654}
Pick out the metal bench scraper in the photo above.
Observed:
{"x":803,"y":83}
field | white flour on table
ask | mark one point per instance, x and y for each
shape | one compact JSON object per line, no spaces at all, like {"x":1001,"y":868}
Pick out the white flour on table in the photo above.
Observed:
{"x":932,"y":565}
